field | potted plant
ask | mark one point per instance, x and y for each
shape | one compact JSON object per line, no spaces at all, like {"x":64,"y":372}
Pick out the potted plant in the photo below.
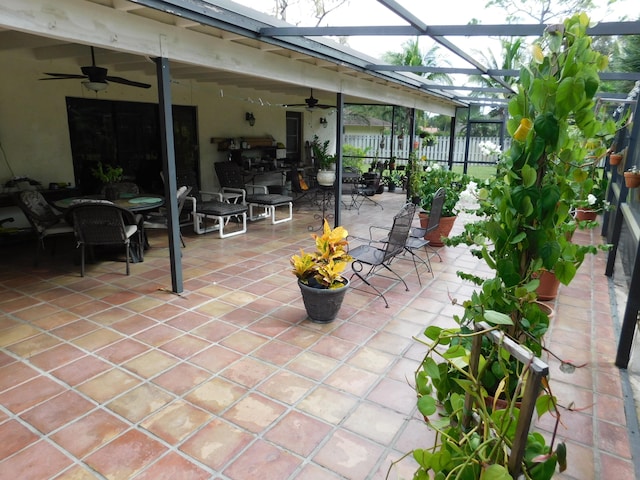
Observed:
{"x":108,"y":175}
{"x":326,"y":162}
{"x":320,"y":274}
{"x":525,"y":220}
{"x":433,"y":177}
{"x":632,"y":177}
{"x":615,"y":158}
{"x":590,"y":196}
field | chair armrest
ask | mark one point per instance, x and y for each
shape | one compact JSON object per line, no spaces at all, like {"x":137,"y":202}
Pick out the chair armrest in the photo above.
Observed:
{"x":217,"y":195}
{"x":264,"y":188}
{"x":236,"y":190}
{"x":373,"y":228}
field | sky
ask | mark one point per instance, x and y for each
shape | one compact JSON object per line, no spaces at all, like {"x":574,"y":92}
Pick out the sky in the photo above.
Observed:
{"x":457,"y":12}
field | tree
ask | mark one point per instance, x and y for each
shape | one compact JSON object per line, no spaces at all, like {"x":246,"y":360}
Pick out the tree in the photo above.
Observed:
{"x":542,"y":11}
{"x":411,"y":55}
{"x":318,"y":9}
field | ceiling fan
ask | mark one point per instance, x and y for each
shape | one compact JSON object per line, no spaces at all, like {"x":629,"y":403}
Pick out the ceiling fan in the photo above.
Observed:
{"x":95,"y":78}
{"x":310,"y":103}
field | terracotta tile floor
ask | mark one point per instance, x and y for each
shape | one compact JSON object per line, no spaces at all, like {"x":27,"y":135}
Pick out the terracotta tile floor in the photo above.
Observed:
{"x":110,"y":376}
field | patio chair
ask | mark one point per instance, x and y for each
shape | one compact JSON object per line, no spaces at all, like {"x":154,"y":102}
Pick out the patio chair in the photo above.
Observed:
{"x":231,"y":180}
{"x":299,"y":188}
{"x":45,"y":220}
{"x":103,"y":223}
{"x":160,"y":220}
{"x":379,"y":258}
{"x":364,"y":190}
{"x":416,"y":240}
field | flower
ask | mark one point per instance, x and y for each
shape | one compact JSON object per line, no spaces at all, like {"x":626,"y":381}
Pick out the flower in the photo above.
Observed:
{"x":434,"y":177}
{"x":590,"y":193}
{"x":323,"y":268}
{"x":489,"y":148}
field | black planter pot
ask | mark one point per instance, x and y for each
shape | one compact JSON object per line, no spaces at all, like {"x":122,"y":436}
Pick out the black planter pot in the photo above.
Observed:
{"x":322,"y":304}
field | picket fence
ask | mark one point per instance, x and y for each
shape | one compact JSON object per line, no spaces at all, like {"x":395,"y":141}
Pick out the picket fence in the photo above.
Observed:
{"x":378,"y":147}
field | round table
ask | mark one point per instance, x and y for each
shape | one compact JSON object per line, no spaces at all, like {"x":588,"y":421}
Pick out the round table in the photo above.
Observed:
{"x":133,"y":203}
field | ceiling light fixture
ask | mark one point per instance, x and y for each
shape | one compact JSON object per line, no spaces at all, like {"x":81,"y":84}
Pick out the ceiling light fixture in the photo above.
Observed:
{"x":94,"y":86}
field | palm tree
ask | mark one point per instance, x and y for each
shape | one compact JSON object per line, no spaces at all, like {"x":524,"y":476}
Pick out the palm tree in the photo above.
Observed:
{"x":411,"y":55}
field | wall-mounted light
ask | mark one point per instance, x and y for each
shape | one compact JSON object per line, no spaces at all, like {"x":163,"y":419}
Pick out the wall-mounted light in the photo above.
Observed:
{"x":250,"y":118}
{"x":323,"y":122}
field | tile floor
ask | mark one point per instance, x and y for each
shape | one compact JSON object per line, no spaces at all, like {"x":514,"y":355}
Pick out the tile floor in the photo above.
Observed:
{"x":113,"y":376}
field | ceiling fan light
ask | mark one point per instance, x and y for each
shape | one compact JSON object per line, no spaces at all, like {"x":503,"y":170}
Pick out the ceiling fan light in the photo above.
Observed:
{"x":94,"y":86}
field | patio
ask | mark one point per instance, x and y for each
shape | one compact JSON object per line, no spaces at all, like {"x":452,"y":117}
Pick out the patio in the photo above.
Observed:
{"x":114,"y":376}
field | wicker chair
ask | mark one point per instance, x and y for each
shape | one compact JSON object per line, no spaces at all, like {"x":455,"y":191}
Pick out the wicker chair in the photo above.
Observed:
{"x":45,"y":220}
{"x":103,"y":223}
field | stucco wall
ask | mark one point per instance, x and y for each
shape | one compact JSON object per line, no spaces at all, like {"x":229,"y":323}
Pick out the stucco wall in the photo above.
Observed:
{"x":33,"y":119}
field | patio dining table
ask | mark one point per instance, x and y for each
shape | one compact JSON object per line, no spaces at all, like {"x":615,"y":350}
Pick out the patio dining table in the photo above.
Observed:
{"x":133,"y":202}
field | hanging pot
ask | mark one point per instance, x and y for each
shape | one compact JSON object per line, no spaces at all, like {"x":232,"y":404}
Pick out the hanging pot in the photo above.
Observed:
{"x":326,"y":178}
{"x":615,"y":158}
{"x":631,"y":179}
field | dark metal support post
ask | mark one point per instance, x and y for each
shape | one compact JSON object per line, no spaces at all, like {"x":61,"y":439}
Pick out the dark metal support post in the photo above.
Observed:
{"x":169,"y":169}
{"x":337,"y":194}
{"x":413,"y":137}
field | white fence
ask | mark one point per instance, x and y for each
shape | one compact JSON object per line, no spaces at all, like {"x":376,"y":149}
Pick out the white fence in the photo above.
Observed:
{"x":379,"y":146}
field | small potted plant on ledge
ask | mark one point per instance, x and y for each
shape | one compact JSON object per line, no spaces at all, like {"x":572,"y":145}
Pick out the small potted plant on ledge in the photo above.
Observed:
{"x":632,"y":177}
{"x":590,"y":197}
{"x":320,"y":274}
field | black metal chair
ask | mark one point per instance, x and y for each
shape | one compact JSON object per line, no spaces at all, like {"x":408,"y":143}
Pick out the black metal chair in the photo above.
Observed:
{"x":364,"y":190}
{"x":416,"y":240}
{"x":379,"y":258}
{"x":45,"y":220}
{"x":231,"y":180}
{"x":103,"y":223}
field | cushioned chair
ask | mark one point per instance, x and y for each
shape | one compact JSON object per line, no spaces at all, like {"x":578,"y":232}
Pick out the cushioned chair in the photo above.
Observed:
{"x":45,"y":220}
{"x":231,"y":180}
{"x":103,"y":223}
{"x":379,"y":258}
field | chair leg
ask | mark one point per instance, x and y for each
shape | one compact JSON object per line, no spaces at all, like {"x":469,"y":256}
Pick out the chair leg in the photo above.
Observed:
{"x":127,"y":257}
{"x":82,"y":259}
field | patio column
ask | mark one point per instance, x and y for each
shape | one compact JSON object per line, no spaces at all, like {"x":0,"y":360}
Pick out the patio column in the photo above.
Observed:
{"x":337,"y":194}
{"x":169,"y":170}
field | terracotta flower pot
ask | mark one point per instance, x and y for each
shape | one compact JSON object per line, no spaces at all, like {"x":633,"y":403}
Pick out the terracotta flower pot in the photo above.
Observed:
{"x":615,"y":159}
{"x":443,"y":230}
{"x":548,"y":288}
{"x":632,"y":180}
{"x":583,"y":214}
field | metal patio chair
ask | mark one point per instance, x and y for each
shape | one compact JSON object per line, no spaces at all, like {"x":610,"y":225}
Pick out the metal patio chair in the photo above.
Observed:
{"x":416,"y":240}
{"x":379,"y":258}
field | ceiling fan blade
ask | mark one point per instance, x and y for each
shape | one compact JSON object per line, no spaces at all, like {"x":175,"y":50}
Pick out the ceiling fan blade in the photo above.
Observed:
{"x":62,"y":76}
{"x":125,"y":81}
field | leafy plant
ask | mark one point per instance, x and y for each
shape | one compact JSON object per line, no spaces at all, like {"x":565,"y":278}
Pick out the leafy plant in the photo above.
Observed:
{"x":436,"y":176}
{"x":323,"y":268}
{"x":475,"y":437}
{"x":321,"y":153}
{"x":525,"y":226}
{"x":107,"y":174}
